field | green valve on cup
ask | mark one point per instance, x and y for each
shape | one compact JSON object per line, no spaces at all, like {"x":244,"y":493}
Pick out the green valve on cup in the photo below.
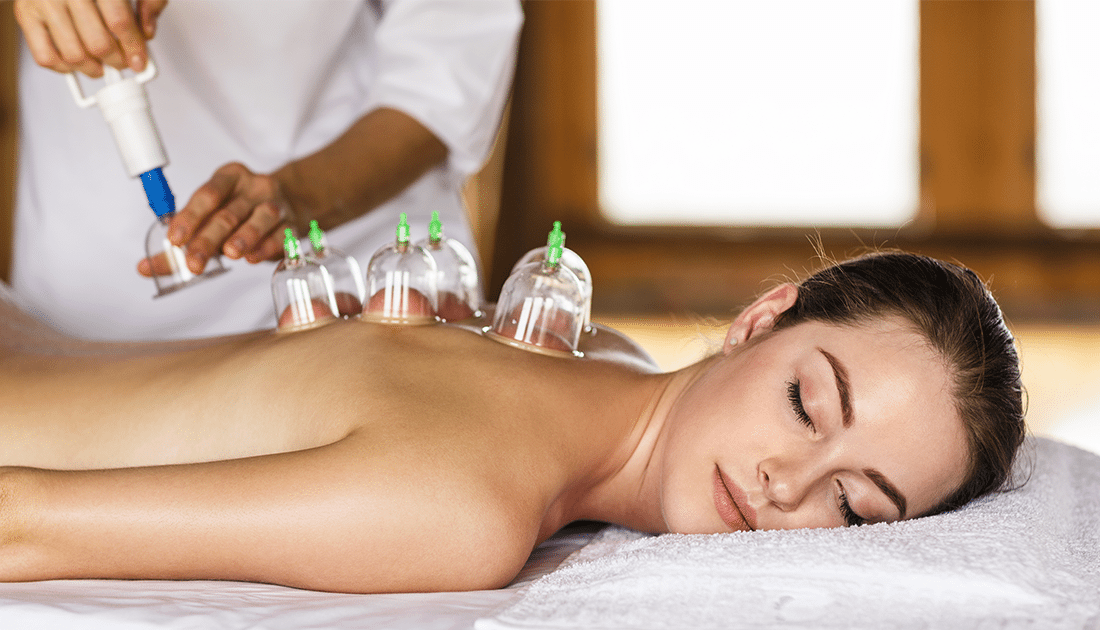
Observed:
{"x":316,"y":237}
{"x":290,"y":245}
{"x":555,"y":242}
{"x":403,"y":229}
{"x":435,"y":228}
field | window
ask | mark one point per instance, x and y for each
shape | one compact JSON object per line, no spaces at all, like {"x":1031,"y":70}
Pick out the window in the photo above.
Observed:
{"x":1068,"y":143}
{"x":787,"y":112}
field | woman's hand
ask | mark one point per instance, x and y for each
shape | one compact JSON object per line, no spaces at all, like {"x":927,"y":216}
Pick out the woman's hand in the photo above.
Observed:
{"x":69,"y":35}
{"x":239,"y":213}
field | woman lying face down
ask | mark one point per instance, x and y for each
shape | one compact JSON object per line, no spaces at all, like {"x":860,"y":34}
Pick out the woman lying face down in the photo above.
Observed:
{"x":364,"y":458}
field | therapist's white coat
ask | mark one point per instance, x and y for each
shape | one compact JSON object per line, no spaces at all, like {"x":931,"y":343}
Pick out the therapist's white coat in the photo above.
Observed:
{"x":261,"y":83}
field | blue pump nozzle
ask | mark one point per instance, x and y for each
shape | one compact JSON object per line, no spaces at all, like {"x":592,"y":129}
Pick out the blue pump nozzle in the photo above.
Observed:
{"x":160,"y":195}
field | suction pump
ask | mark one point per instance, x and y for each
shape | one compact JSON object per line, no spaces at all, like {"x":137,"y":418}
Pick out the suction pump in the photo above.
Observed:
{"x":543,"y":304}
{"x":402,"y":283}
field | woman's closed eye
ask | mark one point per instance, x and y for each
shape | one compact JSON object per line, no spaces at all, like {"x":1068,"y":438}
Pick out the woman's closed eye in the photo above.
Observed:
{"x":850,"y":517}
{"x":794,"y":396}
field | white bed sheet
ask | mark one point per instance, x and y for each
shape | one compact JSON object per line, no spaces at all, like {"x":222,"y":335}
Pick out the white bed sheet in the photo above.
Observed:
{"x":202,"y":605}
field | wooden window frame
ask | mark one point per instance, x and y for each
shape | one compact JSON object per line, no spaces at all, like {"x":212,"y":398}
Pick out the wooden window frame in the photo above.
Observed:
{"x":977,"y":180}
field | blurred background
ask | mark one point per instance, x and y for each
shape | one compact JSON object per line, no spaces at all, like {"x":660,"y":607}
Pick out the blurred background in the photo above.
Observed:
{"x":701,"y":151}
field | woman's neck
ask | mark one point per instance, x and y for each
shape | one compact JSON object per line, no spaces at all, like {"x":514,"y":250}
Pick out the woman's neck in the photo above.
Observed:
{"x":625,"y":488}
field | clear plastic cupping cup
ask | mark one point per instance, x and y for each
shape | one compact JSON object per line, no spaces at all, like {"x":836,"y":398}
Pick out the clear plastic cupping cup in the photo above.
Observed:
{"x":541,"y":307}
{"x":571,"y":260}
{"x":169,"y":262}
{"x":457,"y":282}
{"x":347,"y":277}
{"x":401,"y":283}
{"x":302,"y":290}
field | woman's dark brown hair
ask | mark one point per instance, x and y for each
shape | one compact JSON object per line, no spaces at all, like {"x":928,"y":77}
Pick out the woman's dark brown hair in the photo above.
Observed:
{"x":952,"y":308}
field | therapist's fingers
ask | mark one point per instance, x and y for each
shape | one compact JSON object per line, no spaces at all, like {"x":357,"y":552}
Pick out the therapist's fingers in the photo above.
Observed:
{"x":99,"y":43}
{"x":52,"y":37}
{"x":42,"y":49}
{"x":33,"y":25}
{"x":249,"y":215}
{"x":156,"y":265}
{"x":210,"y":237}
{"x":66,"y":25}
{"x":215,"y":210}
{"x":270,"y":247}
{"x":148,"y":11}
{"x":233,"y":212}
{"x":206,"y":199}
{"x":68,"y":35}
{"x":250,"y":238}
{"x":126,"y":45}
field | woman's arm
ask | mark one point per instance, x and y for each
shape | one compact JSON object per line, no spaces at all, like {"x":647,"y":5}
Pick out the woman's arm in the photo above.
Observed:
{"x":344,"y":517}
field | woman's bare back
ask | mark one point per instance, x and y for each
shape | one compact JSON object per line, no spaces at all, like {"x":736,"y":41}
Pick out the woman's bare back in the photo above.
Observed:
{"x":352,"y":457}
{"x":117,"y":405}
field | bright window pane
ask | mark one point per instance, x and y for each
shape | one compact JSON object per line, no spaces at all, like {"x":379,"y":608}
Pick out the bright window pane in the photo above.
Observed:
{"x":778,"y":112}
{"x":1068,"y":143}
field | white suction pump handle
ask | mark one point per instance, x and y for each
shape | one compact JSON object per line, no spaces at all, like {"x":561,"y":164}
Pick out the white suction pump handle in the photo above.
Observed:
{"x":125,"y":107}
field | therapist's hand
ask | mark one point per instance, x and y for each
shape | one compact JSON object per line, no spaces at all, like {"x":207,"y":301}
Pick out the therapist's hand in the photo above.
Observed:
{"x":237,"y":212}
{"x":243,"y":214}
{"x":69,"y":35}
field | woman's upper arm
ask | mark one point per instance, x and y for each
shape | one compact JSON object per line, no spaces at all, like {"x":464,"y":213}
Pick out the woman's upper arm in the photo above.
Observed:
{"x":342,"y":517}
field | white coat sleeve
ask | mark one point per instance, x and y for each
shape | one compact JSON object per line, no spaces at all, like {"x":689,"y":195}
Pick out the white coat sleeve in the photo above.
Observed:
{"x":449,"y":65}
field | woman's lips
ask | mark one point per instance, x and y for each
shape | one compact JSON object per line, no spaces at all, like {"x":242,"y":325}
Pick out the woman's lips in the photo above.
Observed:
{"x":732,"y":504}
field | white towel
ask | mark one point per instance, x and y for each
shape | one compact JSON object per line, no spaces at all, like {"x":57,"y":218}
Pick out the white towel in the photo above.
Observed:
{"x":1023,"y":559}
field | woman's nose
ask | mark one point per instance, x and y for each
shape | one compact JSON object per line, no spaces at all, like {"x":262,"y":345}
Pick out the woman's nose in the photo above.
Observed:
{"x":785,"y":486}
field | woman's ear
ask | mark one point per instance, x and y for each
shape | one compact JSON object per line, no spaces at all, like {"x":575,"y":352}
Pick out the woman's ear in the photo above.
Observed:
{"x":760,"y":316}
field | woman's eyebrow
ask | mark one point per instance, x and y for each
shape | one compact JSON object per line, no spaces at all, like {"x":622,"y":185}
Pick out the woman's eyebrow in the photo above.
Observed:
{"x":889,"y":489}
{"x":842,"y":386}
{"x":841,"y":375}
